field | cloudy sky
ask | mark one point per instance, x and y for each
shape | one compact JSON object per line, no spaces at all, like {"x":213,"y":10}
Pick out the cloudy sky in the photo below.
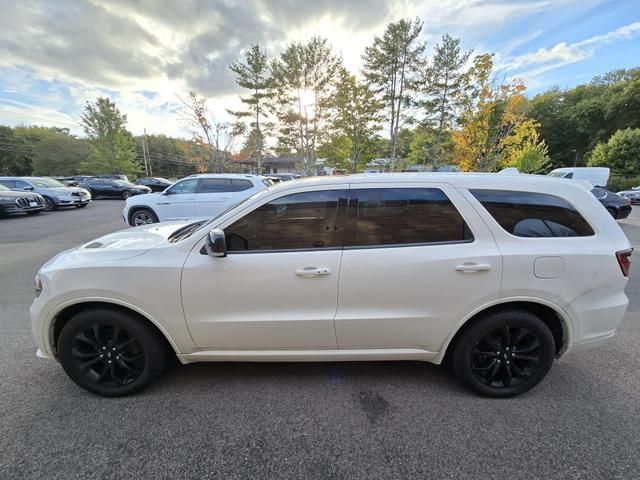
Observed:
{"x":56,"y":55}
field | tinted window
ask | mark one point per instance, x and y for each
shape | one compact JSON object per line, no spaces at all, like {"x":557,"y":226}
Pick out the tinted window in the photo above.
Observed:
{"x":23,"y":184}
{"x":238,"y":185}
{"x":528,"y":214}
{"x":214,"y":185}
{"x":401,"y":216}
{"x":8,"y":183}
{"x":297,"y":221}
{"x":186,"y":186}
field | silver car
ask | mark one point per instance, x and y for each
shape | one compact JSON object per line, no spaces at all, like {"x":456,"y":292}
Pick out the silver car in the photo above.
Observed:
{"x":55,"y":193}
{"x":633,"y":194}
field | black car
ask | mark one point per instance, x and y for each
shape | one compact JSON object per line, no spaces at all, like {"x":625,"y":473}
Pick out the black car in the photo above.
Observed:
{"x":102,"y":187}
{"x":19,"y":202}
{"x":618,"y":206}
{"x":156,"y":184}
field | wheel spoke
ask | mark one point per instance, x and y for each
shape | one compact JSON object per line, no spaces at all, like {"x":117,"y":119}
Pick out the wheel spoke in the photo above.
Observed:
{"x":78,"y":354}
{"x":527,"y":358}
{"x":126,"y":343}
{"x":484,"y":369}
{"x":115,"y":335}
{"x":522,"y":332}
{"x":477,"y":351}
{"x":96,"y":332}
{"x":507,"y":336}
{"x":84,"y":339}
{"x":529,"y":348}
{"x":103,"y":375}
{"x":123,"y":363}
{"x":493,"y":373}
{"x":508,"y":376}
{"x":84,"y":367}
{"x":519,"y":372}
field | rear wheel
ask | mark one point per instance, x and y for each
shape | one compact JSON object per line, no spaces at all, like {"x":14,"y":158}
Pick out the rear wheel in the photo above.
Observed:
{"x":612,"y":211}
{"x":110,"y":353}
{"x":504,"y":354}
{"x":143,"y":216}
{"x":49,"y":204}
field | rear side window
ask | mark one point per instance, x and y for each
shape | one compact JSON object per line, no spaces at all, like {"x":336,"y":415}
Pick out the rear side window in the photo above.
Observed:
{"x":238,"y":185}
{"x":214,"y":185}
{"x":8,"y":183}
{"x":403,"y":216}
{"x":530,"y":214}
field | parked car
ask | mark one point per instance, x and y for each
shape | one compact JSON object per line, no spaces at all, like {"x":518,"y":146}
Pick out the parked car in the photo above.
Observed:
{"x":633,"y":195}
{"x":204,"y":195}
{"x":55,"y":193}
{"x":596,"y":176}
{"x":618,"y":206}
{"x":156,"y":184}
{"x":102,"y":187}
{"x":67,"y":181}
{"x":284,"y":177}
{"x":19,"y":202}
{"x":114,"y":177}
{"x":497,"y":274}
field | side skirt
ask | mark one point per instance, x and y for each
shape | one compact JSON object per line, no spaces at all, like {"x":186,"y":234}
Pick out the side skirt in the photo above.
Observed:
{"x":359,"y":354}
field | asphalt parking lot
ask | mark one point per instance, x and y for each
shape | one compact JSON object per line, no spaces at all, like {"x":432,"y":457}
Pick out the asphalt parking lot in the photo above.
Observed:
{"x":334,"y":420}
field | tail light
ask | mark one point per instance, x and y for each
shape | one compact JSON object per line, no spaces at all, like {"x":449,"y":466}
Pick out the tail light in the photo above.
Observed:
{"x":624,"y":260}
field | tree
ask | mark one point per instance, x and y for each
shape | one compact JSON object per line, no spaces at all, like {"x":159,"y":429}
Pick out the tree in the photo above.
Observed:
{"x":304,"y":77}
{"x":444,"y":86}
{"x":112,"y":149}
{"x":492,"y":114}
{"x":524,"y":150}
{"x":60,"y":154}
{"x":15,"y":153}
{"x":391,"y":66}
{"x":254,"y":74}
{"x":428,"y":143}
{"x":169,"y":157}
{"x":214,"y":138}
{"x":621,"y":152}
{"x":356,"y":119}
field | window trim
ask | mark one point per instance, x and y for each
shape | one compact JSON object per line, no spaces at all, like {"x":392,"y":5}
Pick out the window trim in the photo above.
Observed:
{"x":511,"y":235}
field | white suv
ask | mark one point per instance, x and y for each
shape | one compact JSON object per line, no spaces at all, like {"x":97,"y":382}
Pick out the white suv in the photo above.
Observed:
{"x":205,"y":195}
{"x":497,"y":274}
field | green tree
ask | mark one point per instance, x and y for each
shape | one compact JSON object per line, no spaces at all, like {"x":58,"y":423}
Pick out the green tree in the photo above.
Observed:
{"x":621,"y":153}
{"x":112,"y":149}
{"x":304,"y":79}
{"x":15,"y":153}
{"x":391,"y":66}
{"x":60,"y":154}
{"x":445,"y":84}
{"x":254,"y":74}
{"x":356,"y":117}
{"x":428,"y":143}
{"x":524,"y":150}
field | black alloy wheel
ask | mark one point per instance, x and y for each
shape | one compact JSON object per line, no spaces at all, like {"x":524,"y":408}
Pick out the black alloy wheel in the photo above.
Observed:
{"x":126,"y":194}
{"x":505,"y":354}
{"x":110,"y":352}
{"x":49,"y":205}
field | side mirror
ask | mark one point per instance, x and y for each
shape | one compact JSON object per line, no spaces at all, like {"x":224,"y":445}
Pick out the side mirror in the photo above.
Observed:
{"x":28,"y":189}
{"x":216,"y":244}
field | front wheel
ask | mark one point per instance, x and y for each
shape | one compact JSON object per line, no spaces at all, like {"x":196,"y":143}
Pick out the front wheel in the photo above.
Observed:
{"x":612,"y":211}
{"x":143,"y":216}
{"x":110,"y":352}
{"x":504,"y":354}
{"x":126,"y":194}
{"x":49,"y":205}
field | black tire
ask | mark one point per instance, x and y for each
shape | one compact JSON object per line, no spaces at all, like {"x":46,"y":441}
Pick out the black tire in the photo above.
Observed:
{"x":484,"y":357}
{"x":145,"y":216}
{"x":613,"y":212}
{"x":49,"y":205}
{"x":111,"y":368}
{"x":126,"y":194}
{"x":34,"y":212}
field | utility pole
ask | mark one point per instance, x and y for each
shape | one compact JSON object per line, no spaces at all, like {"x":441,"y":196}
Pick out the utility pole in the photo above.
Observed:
{"x":144,"y":155}
{"x":148,"y":161}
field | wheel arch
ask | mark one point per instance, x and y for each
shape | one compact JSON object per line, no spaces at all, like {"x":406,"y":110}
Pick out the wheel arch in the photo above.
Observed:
{"x":552,"y":315}
{"x":66,"y":312}
{"x":137,"y":208}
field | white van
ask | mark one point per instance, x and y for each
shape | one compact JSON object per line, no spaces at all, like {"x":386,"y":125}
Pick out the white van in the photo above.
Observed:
{"x":597,"y":176}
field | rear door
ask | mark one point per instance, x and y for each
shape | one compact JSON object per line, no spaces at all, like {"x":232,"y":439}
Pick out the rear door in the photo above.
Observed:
{"x":417,"y":259}
{"x":218,"y":194}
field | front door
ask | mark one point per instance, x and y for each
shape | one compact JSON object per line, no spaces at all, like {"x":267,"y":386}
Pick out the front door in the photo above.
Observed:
{"x":278,"y":286}
{"x":178,"y":201}
{"x":413,"y":266}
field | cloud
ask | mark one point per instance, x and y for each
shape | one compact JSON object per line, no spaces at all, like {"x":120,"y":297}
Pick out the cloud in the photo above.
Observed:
{"x":563,"y":53}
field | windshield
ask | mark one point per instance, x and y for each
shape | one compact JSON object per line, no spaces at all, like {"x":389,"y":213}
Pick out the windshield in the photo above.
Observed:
{"x":557,"y":174}
{"x":122,"y":183}
{"x":47,"y":183}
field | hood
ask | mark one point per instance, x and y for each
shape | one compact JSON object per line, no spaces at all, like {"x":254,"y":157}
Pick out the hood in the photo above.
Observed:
{"x":63,"y":190}
{"x":116,"y":246}
{"x":14,"y":194}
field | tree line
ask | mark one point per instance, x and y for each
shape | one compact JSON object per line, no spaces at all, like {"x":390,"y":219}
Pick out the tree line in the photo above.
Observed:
{"x":407,"y":106}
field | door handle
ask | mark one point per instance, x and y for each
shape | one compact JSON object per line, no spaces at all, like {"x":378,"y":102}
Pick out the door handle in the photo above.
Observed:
{"x":312,"y":271}
{"x":473,"y":267}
